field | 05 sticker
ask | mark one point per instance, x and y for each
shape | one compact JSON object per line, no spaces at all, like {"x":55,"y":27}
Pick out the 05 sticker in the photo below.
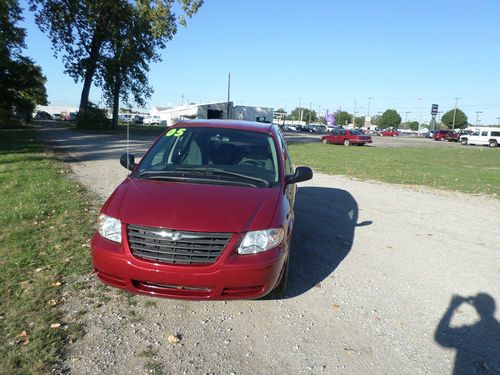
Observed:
{"x":175,"y":132}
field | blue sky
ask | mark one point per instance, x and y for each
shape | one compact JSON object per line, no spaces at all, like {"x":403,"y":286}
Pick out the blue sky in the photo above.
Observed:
{"x":329,"y":53}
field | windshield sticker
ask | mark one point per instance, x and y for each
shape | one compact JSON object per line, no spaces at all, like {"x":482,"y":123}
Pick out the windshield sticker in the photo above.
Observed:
{"x":175,"y":132}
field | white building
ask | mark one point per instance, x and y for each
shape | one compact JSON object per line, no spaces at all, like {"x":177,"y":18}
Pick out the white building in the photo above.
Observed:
{"x":220,"y":110}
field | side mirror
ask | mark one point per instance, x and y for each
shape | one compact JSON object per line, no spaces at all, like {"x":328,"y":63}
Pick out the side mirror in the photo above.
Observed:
{"x":301,"y":174}
{"x":127,"y":162}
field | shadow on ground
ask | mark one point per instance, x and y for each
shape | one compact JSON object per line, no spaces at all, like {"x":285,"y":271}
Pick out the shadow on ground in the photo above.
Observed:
{"x":325,"y":222}
{"x":477,"y":345}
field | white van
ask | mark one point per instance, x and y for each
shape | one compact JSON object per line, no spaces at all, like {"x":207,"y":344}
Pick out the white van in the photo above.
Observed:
{"x":490,"y":137}
{"x":151,"y":120}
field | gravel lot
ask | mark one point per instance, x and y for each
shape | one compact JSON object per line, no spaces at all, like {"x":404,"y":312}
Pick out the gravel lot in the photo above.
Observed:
{"x":373,"y":271}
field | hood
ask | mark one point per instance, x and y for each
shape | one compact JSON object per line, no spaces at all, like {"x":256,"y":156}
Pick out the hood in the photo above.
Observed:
{"x":193,"y":207}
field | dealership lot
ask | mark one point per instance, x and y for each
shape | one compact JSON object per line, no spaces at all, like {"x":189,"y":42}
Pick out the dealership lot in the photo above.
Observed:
{"x":373,"y":271}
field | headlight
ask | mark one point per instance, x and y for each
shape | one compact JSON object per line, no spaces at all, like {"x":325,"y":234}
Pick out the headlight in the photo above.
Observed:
{"x":110,"y":228}
{"x":261,"y":240}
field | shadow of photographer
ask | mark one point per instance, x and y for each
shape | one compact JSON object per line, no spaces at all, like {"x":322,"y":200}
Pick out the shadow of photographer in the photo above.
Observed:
{"x":325,"y":222}
{"x":477,"y":345}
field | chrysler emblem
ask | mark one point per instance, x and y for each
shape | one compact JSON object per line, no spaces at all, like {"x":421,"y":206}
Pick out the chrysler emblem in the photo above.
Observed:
{"x":173,"y":236}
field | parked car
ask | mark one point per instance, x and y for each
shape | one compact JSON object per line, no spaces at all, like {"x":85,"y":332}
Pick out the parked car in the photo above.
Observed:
{"x":73,"y":116}
{"x":206,"y":214}
{"x":138,"y":120}
{"x":57,"y":116}
{"x":42,"y":115}
{"x":151,"y":120}
{"x":445,"y":135}
{"x":389,"y":133}
{"x":346,"y":137}
{"x":318,"y":128}
{"x":490,"y":137}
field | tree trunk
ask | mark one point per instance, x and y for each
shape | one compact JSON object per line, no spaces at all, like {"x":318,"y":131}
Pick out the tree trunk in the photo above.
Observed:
{"x":89,"y":73}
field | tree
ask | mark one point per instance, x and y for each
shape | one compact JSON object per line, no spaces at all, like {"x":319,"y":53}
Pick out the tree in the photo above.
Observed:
{"x":360,"y":121}
{"x":22,"y":84}
{"x":342,"y":118}
{"x":307,"y":115}
{"x":460,"y":119}
{"x":93,"y":40}
{"x":390,"y":118}
{"x":413,"y":125}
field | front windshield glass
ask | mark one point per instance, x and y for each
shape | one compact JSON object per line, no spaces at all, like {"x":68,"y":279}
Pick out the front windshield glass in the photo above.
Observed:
{"x":202,"y":151}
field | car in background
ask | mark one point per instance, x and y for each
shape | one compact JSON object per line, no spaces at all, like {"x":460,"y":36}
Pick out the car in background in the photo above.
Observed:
{"x":318,"y":128}
{"x":207,"y":214}
{"x":138,"y":120}
{"x":490,"y":137}
{"x":42,"y":115}
{"x":151,"y":120}
{"x":73,"y":116}
{"x":57,"y":116}
{"x":389,"y":133}
{"x":444,"y":135}
{"x":346,"y":137}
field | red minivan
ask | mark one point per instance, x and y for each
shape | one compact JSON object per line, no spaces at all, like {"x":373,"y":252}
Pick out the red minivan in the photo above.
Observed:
{"x":206,"y":214}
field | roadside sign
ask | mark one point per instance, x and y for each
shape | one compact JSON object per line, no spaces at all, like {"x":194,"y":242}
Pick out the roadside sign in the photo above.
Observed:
{"x":434,"y":110}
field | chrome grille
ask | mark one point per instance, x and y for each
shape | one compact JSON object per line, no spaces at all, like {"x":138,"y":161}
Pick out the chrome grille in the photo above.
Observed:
{"x":176,"y":247}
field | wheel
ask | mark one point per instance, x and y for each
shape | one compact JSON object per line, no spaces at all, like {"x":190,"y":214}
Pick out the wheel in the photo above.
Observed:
{"x":464,"y":141}
{"x":324,"y":141}
{"x":346,"y":142}
{"x":492,"y":143}
{"x":280,"y":290}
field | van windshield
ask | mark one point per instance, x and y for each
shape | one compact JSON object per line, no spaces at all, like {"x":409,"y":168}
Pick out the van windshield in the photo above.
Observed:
{"x":213,"y":154}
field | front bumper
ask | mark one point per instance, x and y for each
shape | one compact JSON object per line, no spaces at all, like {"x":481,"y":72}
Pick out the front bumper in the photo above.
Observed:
{"x":232,"y":276}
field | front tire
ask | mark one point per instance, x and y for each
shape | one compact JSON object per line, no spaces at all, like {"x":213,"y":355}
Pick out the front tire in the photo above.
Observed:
{"x":347,"y":143}
{"x":280,"y":290}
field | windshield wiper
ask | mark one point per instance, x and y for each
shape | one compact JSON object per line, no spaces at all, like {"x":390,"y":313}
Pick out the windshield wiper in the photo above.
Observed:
{"x":221,"y":172}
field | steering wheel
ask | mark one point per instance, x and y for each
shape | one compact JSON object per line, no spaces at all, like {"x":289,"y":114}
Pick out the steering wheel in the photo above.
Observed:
{"x":252,"y":162}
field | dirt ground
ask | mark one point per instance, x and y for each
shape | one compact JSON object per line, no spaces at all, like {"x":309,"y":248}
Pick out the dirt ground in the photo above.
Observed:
{"x":377,"y":276}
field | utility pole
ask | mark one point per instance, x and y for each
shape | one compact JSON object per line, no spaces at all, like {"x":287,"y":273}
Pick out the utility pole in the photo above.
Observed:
{"x":310,"y":111}
{"x":228,"y":93}
{"x":454,"y":114}
{"x":300,"y":109}
{"x":498,"y":121}
{"x":369,"y":102}
{"x":319,"y":110}
{"x":354,"y":116}
{"x":182,"y":96}
{"x":477,"y":117}
{"x":420,"y":114}
{"x":406,"y":117}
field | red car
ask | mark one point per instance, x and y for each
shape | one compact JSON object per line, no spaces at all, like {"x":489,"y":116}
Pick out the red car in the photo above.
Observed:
{"x":389,"y":133}
{"x":206,"y":214}
{"x":446,"y":135}
{"x":346,"y":137}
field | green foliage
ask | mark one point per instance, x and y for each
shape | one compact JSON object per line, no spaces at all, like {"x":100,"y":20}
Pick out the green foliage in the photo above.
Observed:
{"x":360,"y":121}
{"x":46,"y":221}
{"x":94,"y":118}
{"x":22,"y":84}
{"x":342,"y":118}
{"x":413,"y":125}
{"x":460,"y":119}
{"x":307,"y":115}
{"x":390,"y":118}
{"x":111,"y":41}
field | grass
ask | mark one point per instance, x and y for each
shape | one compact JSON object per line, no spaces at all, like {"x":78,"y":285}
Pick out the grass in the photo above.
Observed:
{"x":471,"y":169}
{"x":46,"y":221}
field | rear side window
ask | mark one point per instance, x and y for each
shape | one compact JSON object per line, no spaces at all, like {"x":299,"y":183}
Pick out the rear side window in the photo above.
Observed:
{"x":495,"y":134}
{"x":484,"y":134}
